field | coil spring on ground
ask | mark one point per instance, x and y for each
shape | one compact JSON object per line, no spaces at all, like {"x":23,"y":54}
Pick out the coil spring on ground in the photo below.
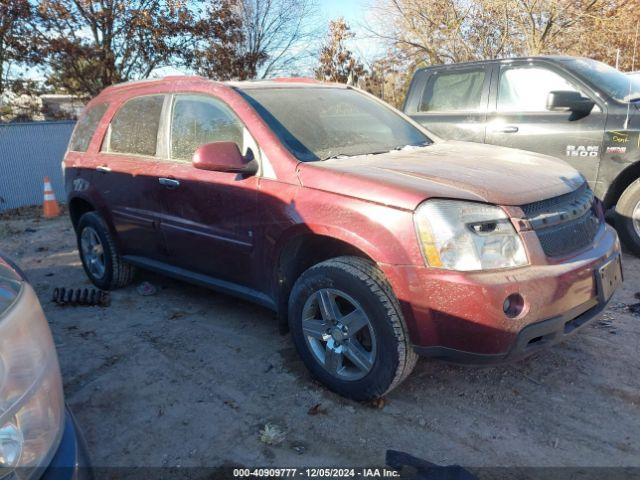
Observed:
{"x":79,"y":296}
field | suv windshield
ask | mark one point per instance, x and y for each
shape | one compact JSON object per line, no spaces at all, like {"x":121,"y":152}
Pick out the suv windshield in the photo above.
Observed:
{"x":621,"y":87}
{"x":322,"y":123}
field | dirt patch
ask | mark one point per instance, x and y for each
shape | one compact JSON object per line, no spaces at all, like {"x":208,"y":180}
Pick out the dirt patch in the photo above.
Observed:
{"x":190,"y":377}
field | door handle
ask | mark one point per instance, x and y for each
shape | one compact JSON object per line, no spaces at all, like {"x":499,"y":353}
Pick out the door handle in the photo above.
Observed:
{"x":103,"y":169}
{"x":170,"y":183}
{"x":506,"y":129}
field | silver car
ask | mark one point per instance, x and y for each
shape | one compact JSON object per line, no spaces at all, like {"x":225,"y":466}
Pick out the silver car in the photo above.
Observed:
{"x":38,"y":436}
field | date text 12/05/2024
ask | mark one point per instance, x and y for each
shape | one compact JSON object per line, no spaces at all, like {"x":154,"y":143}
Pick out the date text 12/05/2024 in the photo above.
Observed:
{"x":316,"y":473}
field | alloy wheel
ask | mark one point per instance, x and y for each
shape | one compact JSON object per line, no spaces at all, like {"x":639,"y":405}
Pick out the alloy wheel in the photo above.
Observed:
{"x":339,"y":334}
{"x":93,"y":252}
{"x":636,"y":219}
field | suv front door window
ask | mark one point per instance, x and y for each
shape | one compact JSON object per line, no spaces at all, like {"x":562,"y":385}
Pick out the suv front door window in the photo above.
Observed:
{"x":197,"y":120}
{"x":209,"y":217}
{"x":521,"y":118}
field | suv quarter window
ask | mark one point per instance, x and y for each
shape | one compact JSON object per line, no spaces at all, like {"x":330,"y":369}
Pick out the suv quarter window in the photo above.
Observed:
{"x":526,"y":88}
{"x":454,"y":91}
{"x":198,"y":119}
{"x":134,"y":127}
{"x":86,"y":127}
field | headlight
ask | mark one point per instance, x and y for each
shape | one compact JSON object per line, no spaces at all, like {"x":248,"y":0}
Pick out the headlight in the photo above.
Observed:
{"x":467,"y":236}
{"x":31,"y":400}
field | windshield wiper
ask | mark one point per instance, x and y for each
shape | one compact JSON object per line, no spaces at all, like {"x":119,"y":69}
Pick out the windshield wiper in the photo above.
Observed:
{"x":337,"y":155}
{"x":414,"y":145}
{"x":344,"y":155}
{"x":378,"y":152}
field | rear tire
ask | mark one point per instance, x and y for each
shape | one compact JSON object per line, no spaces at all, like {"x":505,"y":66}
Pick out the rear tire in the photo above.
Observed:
{"x":99,"y":254}
{"x":372,"y":347}
{"x":628,"y":217}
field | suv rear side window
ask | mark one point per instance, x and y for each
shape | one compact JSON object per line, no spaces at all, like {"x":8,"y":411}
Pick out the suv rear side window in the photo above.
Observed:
{"x":197,"y":120}
{"x":526,"y":89}
{"x":134,"y":128}
{"x":86,"y":127}
{"x":453,"y":91}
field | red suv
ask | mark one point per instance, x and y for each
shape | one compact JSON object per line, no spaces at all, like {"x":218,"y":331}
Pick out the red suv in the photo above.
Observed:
{"x":371,"y":238}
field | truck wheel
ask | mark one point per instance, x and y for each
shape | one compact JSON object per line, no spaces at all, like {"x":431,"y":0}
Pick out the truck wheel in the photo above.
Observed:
{"x":628,"y":217}
{"x":348,"y":329}
{"x":100,"y":258}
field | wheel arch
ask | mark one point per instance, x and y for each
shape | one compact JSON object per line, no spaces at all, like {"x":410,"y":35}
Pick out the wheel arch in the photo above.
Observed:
{"x":301,"y":252}
{"x":78,"y":206}
{"x":622,"y":181}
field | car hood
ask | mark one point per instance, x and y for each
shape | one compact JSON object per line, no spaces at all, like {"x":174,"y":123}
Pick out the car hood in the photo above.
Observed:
{"x":446,"y":169}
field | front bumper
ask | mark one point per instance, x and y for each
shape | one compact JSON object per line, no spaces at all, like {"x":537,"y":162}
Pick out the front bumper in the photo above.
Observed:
{"x":531,"y":338}
{"x":459,"y":315}
{"x":71,"y":461}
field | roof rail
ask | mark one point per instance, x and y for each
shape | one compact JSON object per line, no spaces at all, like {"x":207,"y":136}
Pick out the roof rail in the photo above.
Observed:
{"x":294,"y":79}
{"x":178,"y":77}
{"x":150,"y":80}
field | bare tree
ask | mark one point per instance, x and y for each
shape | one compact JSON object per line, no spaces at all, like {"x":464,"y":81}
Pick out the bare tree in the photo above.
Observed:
{"x":388,"y":77}
{"x":608,"y":35}
{"x":15,"y":18}
{"x":337,"y":63}
{"x":90,"y":44}
{"x":539,"y":24}
{"x":221,"y":54}
{"x":277,"y":34}
{"x":443,"y":31}
{"x":448,"y":31}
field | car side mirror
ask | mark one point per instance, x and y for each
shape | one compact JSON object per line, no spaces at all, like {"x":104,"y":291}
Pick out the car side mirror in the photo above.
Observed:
{"x":566,"y":100}
{"x":224,"y":157}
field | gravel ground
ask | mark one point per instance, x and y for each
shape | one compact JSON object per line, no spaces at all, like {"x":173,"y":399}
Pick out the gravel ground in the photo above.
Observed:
{"x":189,"y":377}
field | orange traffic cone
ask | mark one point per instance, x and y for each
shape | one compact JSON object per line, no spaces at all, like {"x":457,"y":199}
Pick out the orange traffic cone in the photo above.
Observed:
{"x":50,"y":207}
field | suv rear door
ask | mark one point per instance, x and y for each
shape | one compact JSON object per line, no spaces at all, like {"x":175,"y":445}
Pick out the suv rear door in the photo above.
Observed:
{"x":125,"y":175}
{"x":451,"y":101}
{"x":519,"y":117}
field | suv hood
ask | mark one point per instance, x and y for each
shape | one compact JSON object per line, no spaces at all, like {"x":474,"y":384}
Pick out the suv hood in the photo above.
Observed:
{"x":446,"y":169}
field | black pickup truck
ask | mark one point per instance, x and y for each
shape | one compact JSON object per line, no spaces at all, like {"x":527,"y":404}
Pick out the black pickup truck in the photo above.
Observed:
{"x":576,"y":109}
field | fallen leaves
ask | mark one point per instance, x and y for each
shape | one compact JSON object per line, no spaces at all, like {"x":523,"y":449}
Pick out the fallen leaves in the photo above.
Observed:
{"x":272,"y":434}
{"x":317,"y":409}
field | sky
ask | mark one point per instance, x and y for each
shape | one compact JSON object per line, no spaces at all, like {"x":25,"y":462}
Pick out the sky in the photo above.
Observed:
{"x":351,"y":10}
{"x":357,"y":14}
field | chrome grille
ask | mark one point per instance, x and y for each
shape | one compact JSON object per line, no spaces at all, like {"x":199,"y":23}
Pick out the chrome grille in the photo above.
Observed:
{"x":564,"y":224}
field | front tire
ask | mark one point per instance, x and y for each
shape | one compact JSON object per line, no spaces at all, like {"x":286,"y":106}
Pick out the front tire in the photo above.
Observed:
{"x":99,"y":254}
{"x":348,"y":329}
{"x":628,"y":217}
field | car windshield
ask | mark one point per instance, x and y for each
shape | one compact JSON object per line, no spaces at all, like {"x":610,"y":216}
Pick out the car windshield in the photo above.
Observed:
{"x":321,"y":123}
{"x":621,"y":87}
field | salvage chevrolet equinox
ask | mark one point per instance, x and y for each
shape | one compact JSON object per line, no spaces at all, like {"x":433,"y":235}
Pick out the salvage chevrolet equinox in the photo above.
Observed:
{"x":372,"y":239}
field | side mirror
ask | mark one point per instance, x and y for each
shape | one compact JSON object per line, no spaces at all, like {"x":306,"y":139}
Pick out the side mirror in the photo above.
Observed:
{"x":223,"y":157}
{"x":566,"y":100}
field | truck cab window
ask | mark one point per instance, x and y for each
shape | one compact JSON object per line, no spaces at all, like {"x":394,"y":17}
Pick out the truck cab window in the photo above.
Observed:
{"x":526,"y":89}
{"x":455,"y":91}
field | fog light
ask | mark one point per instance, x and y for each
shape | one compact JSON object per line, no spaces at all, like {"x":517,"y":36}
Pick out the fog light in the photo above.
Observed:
{"x":10,"y":446}
{"x":513,"y":305}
